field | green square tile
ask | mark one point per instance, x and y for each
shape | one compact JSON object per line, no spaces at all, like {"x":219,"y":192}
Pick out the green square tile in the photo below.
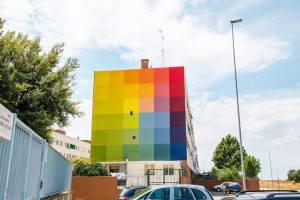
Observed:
{"x":131,"y":152}
{"x":114,"y":137}
{"x":114,"y":153}
{"x":98,"y":153}
{"x":146,"y":136}
{"x":115,"y":121}
{"x":99,"y":137}
{"x":146,"y":152}
{"x":130,"y":136}
{"x":161,"y":152}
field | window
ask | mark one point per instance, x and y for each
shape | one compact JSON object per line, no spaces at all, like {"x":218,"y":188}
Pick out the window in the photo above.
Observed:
{"x":133,"y":137}
{"x":182,"y":193}
{"x":198,"y":194}
{"x":163,"y":193}
{"x":61,"y":143}
{"x":168,"y":169}
{"x":114,"y":169}
{"x":131,"y":113}
{"x":151,"y":168}
{"x":171,"y":169}
{"x":57,"y":142}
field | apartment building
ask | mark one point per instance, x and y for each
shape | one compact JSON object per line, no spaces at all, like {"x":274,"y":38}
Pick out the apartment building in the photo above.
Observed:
{"x":70,"y":147}
{"x":141,"y":120}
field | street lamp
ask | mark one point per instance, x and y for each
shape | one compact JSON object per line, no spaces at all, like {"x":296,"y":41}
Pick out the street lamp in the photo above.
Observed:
{"x":278,"y":180}
{"x":234,"y":21}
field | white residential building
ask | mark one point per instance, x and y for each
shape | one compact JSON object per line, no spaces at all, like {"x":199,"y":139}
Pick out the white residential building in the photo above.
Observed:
{"x":70,"y":147}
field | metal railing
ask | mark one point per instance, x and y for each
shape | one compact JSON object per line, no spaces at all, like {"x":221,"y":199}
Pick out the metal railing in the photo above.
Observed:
{"x":29,"y":167}
{"x":163,"y":176}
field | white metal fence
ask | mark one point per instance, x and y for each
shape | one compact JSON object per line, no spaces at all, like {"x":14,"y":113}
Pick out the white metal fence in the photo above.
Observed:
{"x":29,"y":167}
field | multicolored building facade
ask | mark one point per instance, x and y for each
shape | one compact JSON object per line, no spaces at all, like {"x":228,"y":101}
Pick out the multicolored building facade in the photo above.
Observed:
{"x":139,"y":115}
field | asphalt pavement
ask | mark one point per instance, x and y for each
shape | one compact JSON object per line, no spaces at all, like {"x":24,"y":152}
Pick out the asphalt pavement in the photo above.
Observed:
{"x":220,"y":195}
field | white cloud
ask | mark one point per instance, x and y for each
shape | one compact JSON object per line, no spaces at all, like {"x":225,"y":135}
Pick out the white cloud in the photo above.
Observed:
{"x":269,"y":122}
{"x":133,"y":26}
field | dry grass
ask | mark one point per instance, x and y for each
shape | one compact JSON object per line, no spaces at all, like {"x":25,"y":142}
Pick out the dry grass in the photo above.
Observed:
{"x":283,"y":185}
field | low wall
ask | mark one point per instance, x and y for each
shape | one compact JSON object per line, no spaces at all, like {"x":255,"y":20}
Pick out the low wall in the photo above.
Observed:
{"x":59,"y":196}
{"x":95,"y":188}
{"x":252,"y":184}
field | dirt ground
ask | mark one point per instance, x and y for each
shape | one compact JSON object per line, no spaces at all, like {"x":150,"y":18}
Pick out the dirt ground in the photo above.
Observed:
{"x":282,"y":185}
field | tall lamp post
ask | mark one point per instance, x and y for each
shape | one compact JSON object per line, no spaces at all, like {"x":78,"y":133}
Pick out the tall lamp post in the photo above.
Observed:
{"x":234,"y":21}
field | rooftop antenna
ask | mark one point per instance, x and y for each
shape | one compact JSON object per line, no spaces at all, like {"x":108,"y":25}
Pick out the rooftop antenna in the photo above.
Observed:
{"x":162,"y":46}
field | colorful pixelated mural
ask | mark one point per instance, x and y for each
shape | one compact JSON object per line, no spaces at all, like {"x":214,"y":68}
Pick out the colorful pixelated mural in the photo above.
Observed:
{"x":139,"y":115}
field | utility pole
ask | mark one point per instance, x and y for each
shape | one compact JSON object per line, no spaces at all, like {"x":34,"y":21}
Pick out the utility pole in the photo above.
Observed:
{"x":271,"y":170}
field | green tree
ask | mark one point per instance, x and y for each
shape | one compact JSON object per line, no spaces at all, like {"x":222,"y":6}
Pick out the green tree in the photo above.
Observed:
{"x":227,"y":157}
{"x":294,"y":175}
{"x":82,"y":168}
{"x":34,"y":85}
{"x":227,"y":153}
{"x":252,"y":167}
{"x":228,"y":174}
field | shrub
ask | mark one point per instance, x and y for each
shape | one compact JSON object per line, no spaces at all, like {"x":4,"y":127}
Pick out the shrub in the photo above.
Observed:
{"x":84,"y":168}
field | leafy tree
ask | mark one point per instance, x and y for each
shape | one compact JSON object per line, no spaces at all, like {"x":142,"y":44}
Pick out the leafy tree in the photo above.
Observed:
{"x":83,"y":168}
{"x":34,"y":85}
{"x":214,"y":172}
{"x":227,"y":157}
{"x":225,"y":173}
{"x":294,"y":175}
{"x":227,"y":153}
{"x":252,"y":167}
{"x":228,"y":174}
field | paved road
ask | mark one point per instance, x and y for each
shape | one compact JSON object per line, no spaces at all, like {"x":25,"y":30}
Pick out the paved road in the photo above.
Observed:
{"x":220,"y":195}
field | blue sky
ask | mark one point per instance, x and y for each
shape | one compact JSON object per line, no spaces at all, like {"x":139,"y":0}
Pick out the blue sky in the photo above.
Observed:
{"x":116,"y":34}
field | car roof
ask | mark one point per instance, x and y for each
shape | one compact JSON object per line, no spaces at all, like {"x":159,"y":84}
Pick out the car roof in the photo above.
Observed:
{"x":267,"y":194}
{"x":134,"y":187}
{"x":178,"y":185}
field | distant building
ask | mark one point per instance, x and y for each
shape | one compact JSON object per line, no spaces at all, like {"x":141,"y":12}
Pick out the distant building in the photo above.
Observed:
{"x":142,"y":121}
{"x":70,"y":147}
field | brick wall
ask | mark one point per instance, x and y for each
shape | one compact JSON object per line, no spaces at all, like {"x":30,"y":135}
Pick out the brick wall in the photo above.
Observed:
{"x":252,"y":184}
{"x":95,"y":188}
{"x":188,"y":178}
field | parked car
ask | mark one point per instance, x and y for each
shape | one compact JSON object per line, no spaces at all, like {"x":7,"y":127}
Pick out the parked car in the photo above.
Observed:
{"x":268,"y":195}
{"x":171,"y":192}
{"x":220,"y":187}
{"x":129,"y":192}
{"x":232,"y":187}
{"x":121,"y":177}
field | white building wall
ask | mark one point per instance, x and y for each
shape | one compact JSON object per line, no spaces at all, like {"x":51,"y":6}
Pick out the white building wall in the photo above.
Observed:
{"x":192,"y":158}
{"x":62,"y":143}
{"x":136,"y":173}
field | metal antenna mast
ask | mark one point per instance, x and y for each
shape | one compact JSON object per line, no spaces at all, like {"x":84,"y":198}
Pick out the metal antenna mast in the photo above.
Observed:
{"x":162,"y":46}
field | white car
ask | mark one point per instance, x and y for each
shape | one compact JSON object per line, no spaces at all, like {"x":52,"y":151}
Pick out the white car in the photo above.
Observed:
{"x":221,"y":187}
{"x":172,"y":192}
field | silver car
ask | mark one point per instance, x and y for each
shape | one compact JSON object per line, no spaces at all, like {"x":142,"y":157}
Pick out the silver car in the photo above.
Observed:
{"x":221,"y":187}
{"x":172,"y":192}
